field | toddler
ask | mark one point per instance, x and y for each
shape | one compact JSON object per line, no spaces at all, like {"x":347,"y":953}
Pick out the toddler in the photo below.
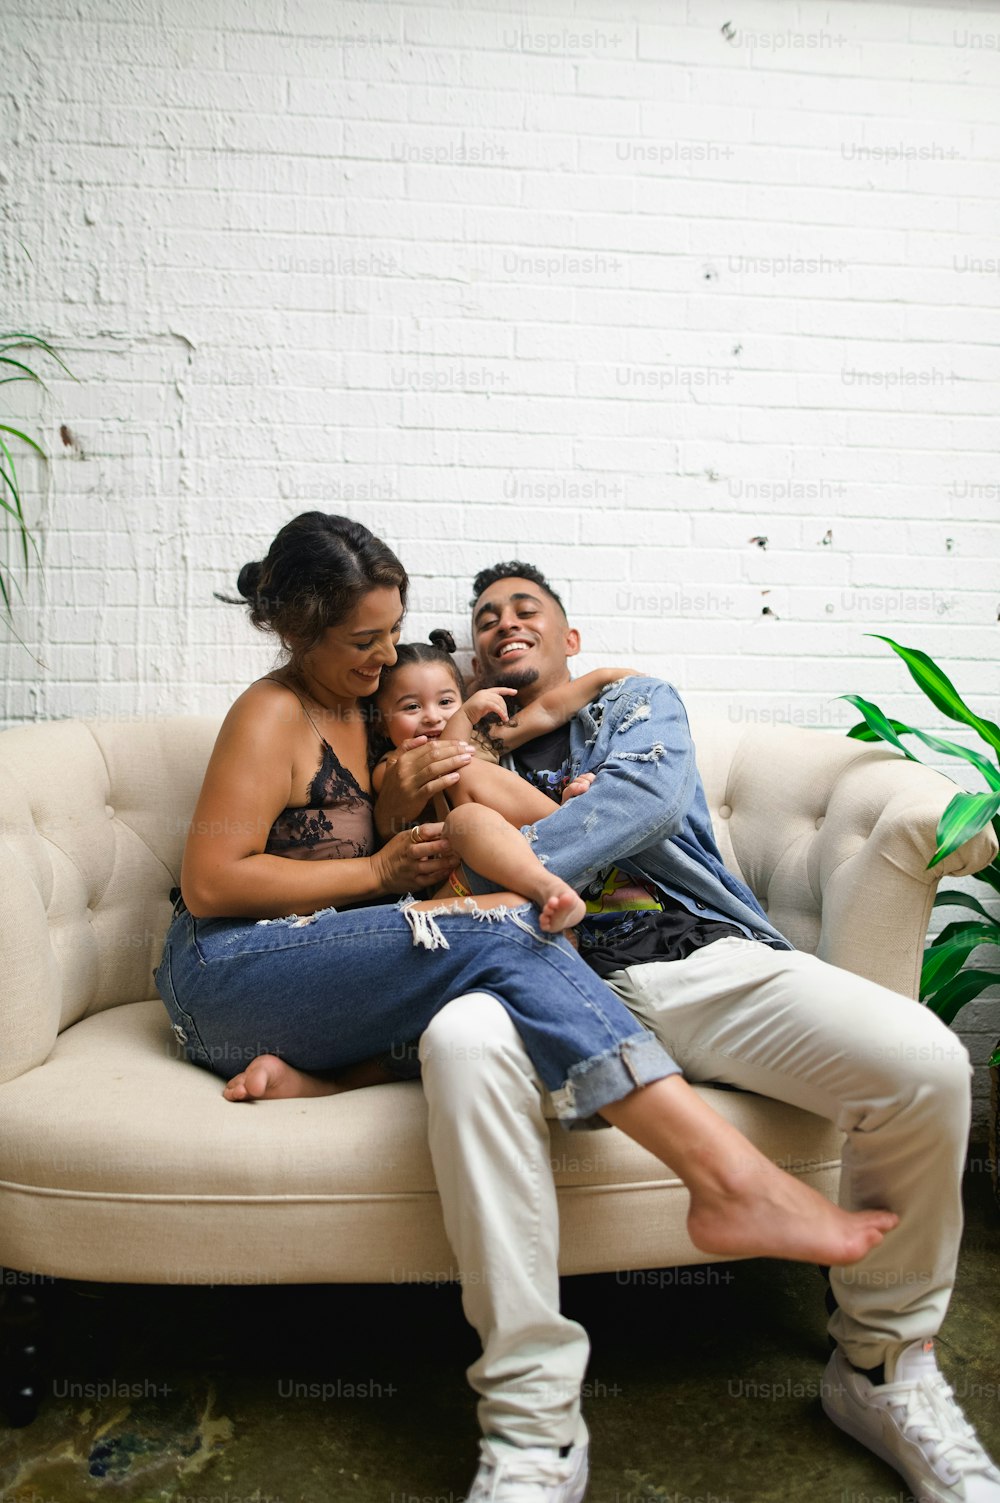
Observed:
{"x":423,"y":694}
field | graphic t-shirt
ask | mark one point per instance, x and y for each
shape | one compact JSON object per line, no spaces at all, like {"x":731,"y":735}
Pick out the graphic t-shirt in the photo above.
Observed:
{"x":629,"y":920}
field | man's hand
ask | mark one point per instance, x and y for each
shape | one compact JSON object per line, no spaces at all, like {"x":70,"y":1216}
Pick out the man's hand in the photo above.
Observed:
{"x":413,"y":775}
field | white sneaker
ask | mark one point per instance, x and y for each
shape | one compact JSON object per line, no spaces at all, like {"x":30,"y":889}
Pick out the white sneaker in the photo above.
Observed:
{"x":915,"y":1424}
{"x":528,"y":1474}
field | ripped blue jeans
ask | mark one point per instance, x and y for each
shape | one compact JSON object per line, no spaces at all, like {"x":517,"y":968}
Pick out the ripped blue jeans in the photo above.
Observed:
{"x":337,"y":987}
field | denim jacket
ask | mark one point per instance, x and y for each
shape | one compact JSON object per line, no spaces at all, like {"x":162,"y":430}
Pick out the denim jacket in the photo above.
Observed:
{"x":646,"y":812}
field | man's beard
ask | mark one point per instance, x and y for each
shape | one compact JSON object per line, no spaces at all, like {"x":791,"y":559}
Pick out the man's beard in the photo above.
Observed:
{"x":509,"y":678}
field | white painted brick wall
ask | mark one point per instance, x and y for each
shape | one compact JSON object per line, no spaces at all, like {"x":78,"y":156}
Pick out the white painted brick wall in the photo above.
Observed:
{"x":620,"y":287}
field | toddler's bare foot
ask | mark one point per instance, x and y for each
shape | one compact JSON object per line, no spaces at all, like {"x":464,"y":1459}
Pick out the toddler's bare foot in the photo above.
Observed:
{"x":268,"y":1078}
{"x":762,"y":1212}
{"x":561,"y":911}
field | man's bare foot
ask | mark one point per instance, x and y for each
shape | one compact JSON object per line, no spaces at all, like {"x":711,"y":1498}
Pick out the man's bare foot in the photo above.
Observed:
{"x":762,"y":1212}
{"x":561,"y":911}
{"x":268,"y":1078}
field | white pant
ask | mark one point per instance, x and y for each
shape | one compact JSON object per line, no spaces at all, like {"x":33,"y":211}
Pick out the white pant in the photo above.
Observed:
{"x":780,"y":1023}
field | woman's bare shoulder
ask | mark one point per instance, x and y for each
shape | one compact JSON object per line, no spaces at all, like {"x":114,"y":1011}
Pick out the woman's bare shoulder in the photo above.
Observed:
{"x":266,"y":710}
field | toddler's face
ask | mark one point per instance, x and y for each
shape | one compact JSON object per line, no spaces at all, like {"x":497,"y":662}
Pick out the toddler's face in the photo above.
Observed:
{"x":418,"y":700}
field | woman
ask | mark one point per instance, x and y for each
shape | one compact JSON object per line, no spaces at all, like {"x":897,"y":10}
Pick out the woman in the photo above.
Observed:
{"x":284,"y":947}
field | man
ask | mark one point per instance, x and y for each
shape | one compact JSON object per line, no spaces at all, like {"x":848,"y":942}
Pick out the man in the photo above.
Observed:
{"x":698,"y":962}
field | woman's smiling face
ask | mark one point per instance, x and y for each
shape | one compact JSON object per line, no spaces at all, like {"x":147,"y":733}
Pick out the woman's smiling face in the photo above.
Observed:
{"x":418,"y":700}
{"x":347,"y":662}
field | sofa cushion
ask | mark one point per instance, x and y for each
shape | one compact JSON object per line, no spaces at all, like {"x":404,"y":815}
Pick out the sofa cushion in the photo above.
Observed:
{"x":120,"y":1160}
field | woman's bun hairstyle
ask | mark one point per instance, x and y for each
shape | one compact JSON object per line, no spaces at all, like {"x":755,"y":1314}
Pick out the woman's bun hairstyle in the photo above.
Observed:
{"x":248,"y":583}
{"x":442,"y":639}
{"x":316,"y":570}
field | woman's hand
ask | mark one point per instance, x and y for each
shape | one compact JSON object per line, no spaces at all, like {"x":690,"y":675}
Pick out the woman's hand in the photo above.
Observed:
{"x":414,"y":773}
{"x":413,"y":859}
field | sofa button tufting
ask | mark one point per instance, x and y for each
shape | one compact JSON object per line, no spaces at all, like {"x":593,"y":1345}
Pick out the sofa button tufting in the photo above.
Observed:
{"x":109,"y":811}
{"x":725,"y":811}
{"x":819,"y":821}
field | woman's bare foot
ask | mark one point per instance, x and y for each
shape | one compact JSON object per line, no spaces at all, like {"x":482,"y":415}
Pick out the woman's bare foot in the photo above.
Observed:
{"x":268,"y":1078}
{"x":561,"y":910}
{"x":762,"y":1212}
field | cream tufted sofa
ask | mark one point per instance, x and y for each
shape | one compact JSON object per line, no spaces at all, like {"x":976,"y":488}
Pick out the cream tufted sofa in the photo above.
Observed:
{"x":119,"y":1161}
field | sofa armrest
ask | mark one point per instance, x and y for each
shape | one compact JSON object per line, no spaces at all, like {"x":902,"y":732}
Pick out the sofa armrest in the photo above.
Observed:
{"x":29,"y":1011}
{"x":834,"y":836}
{"x":875,"y":891}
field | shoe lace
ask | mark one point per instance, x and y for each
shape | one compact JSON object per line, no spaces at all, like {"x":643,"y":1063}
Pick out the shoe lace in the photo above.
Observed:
{"x":929,"y":1414}
{"x":538,"y":1469}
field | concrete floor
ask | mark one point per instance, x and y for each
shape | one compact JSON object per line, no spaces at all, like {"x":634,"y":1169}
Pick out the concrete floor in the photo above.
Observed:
{"x":702,"y":1388}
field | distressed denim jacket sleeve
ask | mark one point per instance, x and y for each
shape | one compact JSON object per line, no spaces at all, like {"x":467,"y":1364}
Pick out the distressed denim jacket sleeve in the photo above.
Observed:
{"x":636,"y":739}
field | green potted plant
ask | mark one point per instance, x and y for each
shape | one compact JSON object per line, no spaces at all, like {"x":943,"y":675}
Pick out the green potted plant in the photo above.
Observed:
{"x":947,"y":983}
{"x":12,"y":369}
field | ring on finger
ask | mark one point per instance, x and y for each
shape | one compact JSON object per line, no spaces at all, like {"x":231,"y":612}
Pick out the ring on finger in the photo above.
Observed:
{"x":415,"y":834}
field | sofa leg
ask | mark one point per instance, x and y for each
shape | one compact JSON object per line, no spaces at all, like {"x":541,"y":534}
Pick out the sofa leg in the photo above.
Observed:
{"x":91,"y":1342}
{"x":22,"y":1343}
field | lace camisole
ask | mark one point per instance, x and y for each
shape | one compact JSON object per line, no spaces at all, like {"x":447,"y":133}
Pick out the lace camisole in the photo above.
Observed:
{"x":338,"y":821}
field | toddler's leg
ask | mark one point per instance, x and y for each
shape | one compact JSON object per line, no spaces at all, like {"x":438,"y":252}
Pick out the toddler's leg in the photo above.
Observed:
{"x":500,"y":789}
{"x":487,"y":843}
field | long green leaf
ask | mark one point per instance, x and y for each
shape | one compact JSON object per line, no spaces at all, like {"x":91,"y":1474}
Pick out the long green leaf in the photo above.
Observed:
{"x":952,"y":749}
{"x":10,"y":494}
{"x":16,"y":510}
{"x":941,"y":692}
{"x":990,"y":932}
{"x":965,"y":816}
{"x":879,"y":724}
{"x":953,"y":899}
{"x":24,"y":531}
{"x":990,"y":875}
{"x":961,"y":989}
{"x":943,"y":961}
{"x":11,"y":479}
{"x":6,"y":506}
{"x":29,"y":375}
{"x":23,"y":436}
{"x":864,"y":732}
{"x":39,"y":343}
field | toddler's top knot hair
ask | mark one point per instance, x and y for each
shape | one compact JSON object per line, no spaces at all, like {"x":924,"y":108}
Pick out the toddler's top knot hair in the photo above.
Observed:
{"x":439,"y":648}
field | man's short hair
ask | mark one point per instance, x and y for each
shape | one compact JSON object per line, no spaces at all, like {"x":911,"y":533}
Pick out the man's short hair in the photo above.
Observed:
{"x":515,"y":569}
